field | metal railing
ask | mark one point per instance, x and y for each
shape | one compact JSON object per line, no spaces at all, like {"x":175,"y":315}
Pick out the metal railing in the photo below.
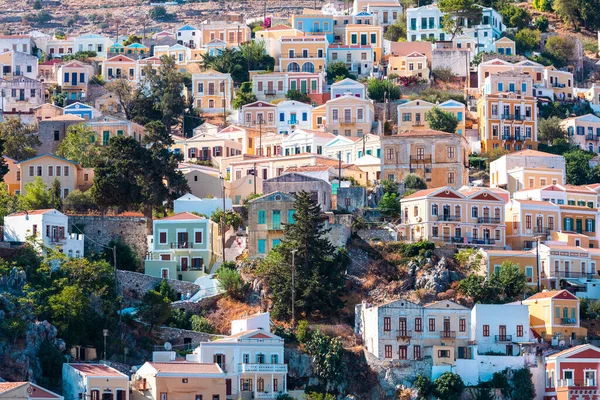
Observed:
{"x":447,"y":334}
{"x":514,"y":117}
{"x":592,"y":137}
{"x":449,"y":218}
{"x":488,"y":220}
{"x":307,"y":55}
{"x":403,"y":334}
{"x":503,"y":338}
{"x":482,"y":241}
{"x":571,"y":274}
{"x":346,"y":121}
{"x":569,"y":321}
{"x":453,"y":239}
{"x":541,"y":230}
{"x":270,"y":368}
{"x":270,"y":92}
{"x":273,"y":226}
{"x":577,"y":382}
{"x":182,"y":245}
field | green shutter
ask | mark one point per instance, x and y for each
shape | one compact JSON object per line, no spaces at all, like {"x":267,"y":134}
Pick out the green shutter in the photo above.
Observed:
{"x":373,"y":38}
{"x":593,"y":226}
{"x":262,"y":246}
{"x":557,"y":313}
{"x":590,"y":204}
{"x":573,"y":313}
{"x":262,"y":217}
{"x":119,"y":133}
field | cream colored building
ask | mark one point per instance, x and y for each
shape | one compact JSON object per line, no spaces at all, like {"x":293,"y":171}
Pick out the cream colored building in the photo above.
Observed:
{"x":413,"y":115}
{"x":206,"y":147}
{"x":413,"y":64}
{"x":26,"y":391}
{"x":505,"y":46}
{"x":349,"y":116}
{"x":303,"y":54}
{"x":212,"y":91}
{"x":471,"y":216}
{"x":259,"y":115}
{"x":107,"y":127}
{"x":94,"y":381}
{"x":583,"y":131}
{"x":440,"y":158}
{"x":560,"y":82}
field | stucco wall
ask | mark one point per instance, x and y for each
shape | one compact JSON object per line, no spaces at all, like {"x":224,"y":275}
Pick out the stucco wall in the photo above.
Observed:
{"x":134,"y":285}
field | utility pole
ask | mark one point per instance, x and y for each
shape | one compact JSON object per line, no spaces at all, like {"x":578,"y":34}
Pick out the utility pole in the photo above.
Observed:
{"x":339,"y":168}
{"x":222,"y":177}
{"x":114,"y":251}
{"x":537,"y":260}
{"x":260,"y":121}
{"x":294,"y":288}
{"x":224,"y":103}
{"x":255,"y":178}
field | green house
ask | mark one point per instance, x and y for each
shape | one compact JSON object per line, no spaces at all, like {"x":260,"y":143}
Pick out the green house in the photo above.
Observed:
{"x":183,"y":246}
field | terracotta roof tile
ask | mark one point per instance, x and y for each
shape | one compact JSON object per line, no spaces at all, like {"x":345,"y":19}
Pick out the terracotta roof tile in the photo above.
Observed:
{"x":6,"y":386}
{"x":181,"y":216}
{"x":548,"y":295}
{"x":184,"y":367}
{"x":96,"y":370}
{"x":32,"y":212}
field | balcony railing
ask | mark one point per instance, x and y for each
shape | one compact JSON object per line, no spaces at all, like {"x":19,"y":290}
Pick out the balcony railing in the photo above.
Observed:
{"x":273,"y":226}
{"x":558,"y":85}
{"x":488,"y":220}
{"x":592,"y":137}
{"x":57,"y":239}
{"x":503,"y":338}
{"x":541,"y":230}
{"x":581,"y":383}
{"x":403,"y":334}
{"x":182,"y":245}
{"x":447,"y":334}
{"x":482,"y":241}
{"x":453,"y":239}
{"x":270,"y":92}
{"x":417,"y":123}
{"x":422,"y":159}
{"x":572,"y":274}
{"x":269,"y":368}
{"x":449,"y":218}
{"x":347,"y":121}
{"x":568,"y":321}
{"x":508,"y":137}
{"x":514,"y":117}
{"x":306,"y":55}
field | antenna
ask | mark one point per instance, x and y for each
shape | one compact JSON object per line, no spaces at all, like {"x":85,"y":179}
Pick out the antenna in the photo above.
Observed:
{"x":168,"y":346}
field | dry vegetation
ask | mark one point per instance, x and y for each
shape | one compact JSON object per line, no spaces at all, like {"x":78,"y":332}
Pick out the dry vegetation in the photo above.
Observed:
{"x":226,"y":311}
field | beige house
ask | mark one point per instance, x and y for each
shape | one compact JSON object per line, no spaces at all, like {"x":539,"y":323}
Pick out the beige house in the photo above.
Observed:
{"x":469,"y":216}
{"x":107,"y":127}
{"x":47,"y":111}
{"x":74,"y":77}
{"x":505,"y":46}
{"x":212,"y":91}
{"x":157,"y":380}
{"x":413,"y":64}
{"x":206,"y":147}
{"x":440,"y":158}
{"x":259,"y":115}
{"x":584,"y":131}
{"x":94,"y":381}
{"x":26,"y":391}
{"x":267,"y":216}
{"x":349,"y":116}
{"x":49,"y":167}
{"x":413,"y":115}
{"x":560,"y":82}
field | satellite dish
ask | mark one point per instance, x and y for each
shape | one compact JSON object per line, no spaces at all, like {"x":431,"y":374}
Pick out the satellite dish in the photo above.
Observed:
{"x":133,"y":369}
{"x":168,"y":346}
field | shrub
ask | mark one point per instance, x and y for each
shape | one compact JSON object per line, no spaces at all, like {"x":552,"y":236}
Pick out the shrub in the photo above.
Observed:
{"x":302,"y":333}
{"x":443,"y":74}
{"x":201,"y":324}
{"x":231,"y":282}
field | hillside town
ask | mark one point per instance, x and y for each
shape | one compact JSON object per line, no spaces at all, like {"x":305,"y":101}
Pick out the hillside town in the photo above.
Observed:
{"x":376,"y":199}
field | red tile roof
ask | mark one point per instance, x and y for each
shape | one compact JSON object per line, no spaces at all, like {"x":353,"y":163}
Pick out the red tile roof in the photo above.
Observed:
{"x":184,"y":367}
{"x":96,"y":370}
{"x":6,"y":386}
{"x":32,"y":212}
{"x":181,"y":216}
{"x":41,"y":393}
{"x":564,"y":294}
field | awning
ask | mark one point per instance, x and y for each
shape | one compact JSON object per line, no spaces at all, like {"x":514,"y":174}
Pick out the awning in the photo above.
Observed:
{"x":574,"y":283}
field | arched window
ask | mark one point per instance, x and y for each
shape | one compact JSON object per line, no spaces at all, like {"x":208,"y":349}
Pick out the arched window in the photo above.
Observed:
{"x":308,"y":67}
{"x":222,"y":87}
{"x":293,"y":67}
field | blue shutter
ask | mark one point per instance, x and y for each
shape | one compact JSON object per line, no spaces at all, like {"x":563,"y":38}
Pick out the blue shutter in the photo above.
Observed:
{"x":500,"y":86}
{"x":460,"y":116}
{"x":262,"y":246}
{"x":524,"y":88}
{"x":262,"y":217}
{"x":291,"y":219}
{"x":304,"y":116}
{"x":281,"y":117}
{"x":66,"y":77}
{"x":275,"y":242}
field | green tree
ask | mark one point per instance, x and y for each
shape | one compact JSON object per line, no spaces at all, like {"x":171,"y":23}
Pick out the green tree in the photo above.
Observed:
{"x":3,"y":165}
{"x":424,"y":386}
{"x":201,"y":324}
{"x":232,"y":219}
{"x":379,"y":90}
{"x":167,"y":290}
{"x":503,"y":286}
{"x":37,"y":196}
{"x":244,"y":96}
{"x":515,"y":16}
{"x":158,"y":13}
{"x":560,"y":49}
{"x":79,"y":145}
{"x":155,"y":309}
{"x":441,"y":120}
{"x":541,"y":23}
{"x":542,"y":5}
{"x":396,"y":32}
{"x":522,"y":387}
{"x":414,"y":181}
{"x":19,"y":139}
{"x":127,"y":258}
{"x":567,"y":11}
{"x":55,"y":192}
{"x":326,"y":355}
{"x":319,"y":277}
{"x":578,"y":171}
{"x":124,"y":93}
{"x":338,"y":69}
{"x":448,"y":386}
{"x":456,"y":11}
{"x":511,"y":280}
{"x":302,"y":331}
{"x":230,"y":281}
{"x":68,"y":308}
{"x":527,"y":40}
{"x":37,"y":5}
{"x":296,"y":95}
{"x":550,"y":129}
{"x":390,"y":204}
{"x":79,"y":202}
{"x":8,"y":202}
{"x":132,"y":39}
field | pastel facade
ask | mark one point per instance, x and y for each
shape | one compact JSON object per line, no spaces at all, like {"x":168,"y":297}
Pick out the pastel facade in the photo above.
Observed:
{"x":505,"y":46}
{"x":57,"y":48}
{"x":341,"y":20}
{"x":349,"y":116}
{"x":206,"y":147}
{"x":252,"y":358}
{"x":212,"y":91}
{"x":413,"y":64}
{"x":358,"y":59}
{"x":366,"y":35}
{"x":572,"y":372}
{"x":26,"y":391}
{"x":455,"y":217}
{"x":528,"y":219}
{"x":303,"y":54}
{"x":292,"y":115}
{"x":348,"y":86}
{"x":314,"y":24}
{"x":183,"y":246}
{"x":49,"y":167}
{"x":189,"y":36}
{"x":180,"y":53}
{"x":508,"y":81}
{"x":267,"y":216}
{"x":302,"y":141}
{"x":232,"y":33}
{"x":413,"y":114}
{"x":259,"y":115}
{"x":555,"y":314}
{"x":20,"y":95}
{"x":73,"y":78}
{"x":351,"y":149}
{"x":584,"y":131}
{"x":83,"y":111}
{"x":560,"y":82}
{"x":107,"y":127}
{"x":385,"y":13}
{"x":440,"y":158}
{"x":15,"y":64}
{"x":120,"y":67}
{"x":276,"y":84}
{"x":50,"y":228}
{"x":94,"y":381}
{"x":507,"y":120}
{"x":22,"y":43}
{"x":92,"y":42}
{"x":500,"y":328}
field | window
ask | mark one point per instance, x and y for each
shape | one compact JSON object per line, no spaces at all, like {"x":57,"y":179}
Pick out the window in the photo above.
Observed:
{"x":486,"y":330}
{"x":450,"y":178}
{"x":260,"y":358}
{"x":520,"y":330}
{"x":31,"y":170}
{"x":443,"y":353}
{"x":403,"y":352}
{"x":50,"y":170}
{"x":197,"y":237}
{"x":56,"y":136}
{"x":387,"y":324}
{"x":262,"y":217}
{"x":39,"y":171}
{"x":66,"y":170}
{"x":450,"y":151}
{"x":417,"y":352}
{"x":434,"y":209}
{"x":58,"y":170}
{"x":162,"y":237}
{"x":388,"y":351}
{"x":462,"y":325}
{"x":431,"y":324}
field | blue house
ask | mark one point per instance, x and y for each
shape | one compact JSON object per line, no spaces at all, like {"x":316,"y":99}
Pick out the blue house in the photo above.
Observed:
{"x":314,"y":25}
{"x":81,"y":110}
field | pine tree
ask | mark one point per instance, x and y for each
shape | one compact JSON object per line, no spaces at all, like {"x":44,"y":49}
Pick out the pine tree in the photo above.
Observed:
{"x":319,"y":269}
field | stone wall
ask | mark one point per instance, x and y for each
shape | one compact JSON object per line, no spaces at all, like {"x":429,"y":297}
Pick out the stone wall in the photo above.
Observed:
{"x":385,"y":235}
{"x":341,"y":229}
{"x":393,"y":373}
{"x":100,"y":230}
{"x":134,"y":285}
{"x":198,"y":306}
{"x":176,"y":336}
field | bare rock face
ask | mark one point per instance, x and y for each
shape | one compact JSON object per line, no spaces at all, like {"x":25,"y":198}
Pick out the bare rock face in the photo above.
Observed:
{"x":437,"y":278}
{"x":299,"y":363}
{"x":14,"y":281}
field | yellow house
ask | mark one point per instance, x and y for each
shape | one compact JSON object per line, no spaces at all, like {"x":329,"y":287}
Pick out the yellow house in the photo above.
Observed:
{"x":584,"y":131}
{"x":318,"y":117}
{"x":507,"y":120}
{"x":349,"y":115}
{"x":233,"y":34}
{"x":413,"y":114}
{"x":555,"y":314}
{"x":366,"y":35}
{"x":73,"y":78}
{"x":118,"y":67}
{"x":560,"y":82}
{"x":107,"y":127}
{"x":182,"y":54}
{"x":527,"y":220}
{"x":505,"y":46}
{"x":525,"y":259}
{"x":303,"y":53}
{"x":94,"y":381}
{"x":413,"y":64}
{"x":212,"y":91}
{"x":178,"y":379}
{"x":450,"y":217}
{"x":49,"y":167}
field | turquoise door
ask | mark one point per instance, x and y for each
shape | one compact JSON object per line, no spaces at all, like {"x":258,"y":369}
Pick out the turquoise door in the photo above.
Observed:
{"x":276,"y":219}
{"x":275,"y":242}
{"x":262,"y":246}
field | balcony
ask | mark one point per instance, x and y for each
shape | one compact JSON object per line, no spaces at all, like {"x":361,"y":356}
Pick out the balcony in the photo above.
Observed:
{"x":568,"y":321}
{"x":403,"y":334}
{"x":274,"y":226}
{"x":266,"y":368}
{"x":579,"y":383}
{"x":592,"y":137}
{"x":421,"y":159}
{"x":453,"y":239}
{"x":449,"y":218}
{"x":417,"y":123}
{"x":503,"y":338}
{"x":305,"y":55}
{"x":488,"y":220}
{"x":508,"y":137}
{"x":482,"y":241}
{"x":182,"y":245}
{"x":57,"y":239}
{"x":572,"y":274}
{"x":541,"y":230}
{"x":292,"y":122}
{"x":558,"y":85}
{"x":447,"y":334}
{"x":270,"y":92}
{"x":513,"y":117}
{"x":347,"y":121}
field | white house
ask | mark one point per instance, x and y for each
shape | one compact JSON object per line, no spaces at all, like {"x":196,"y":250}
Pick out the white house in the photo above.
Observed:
{"x":22,"y":43}
{"x":48,"y":226}
{"x":191,"y":203}
{"x":305,"y":141}
{"x":14,"y":64}
{"x":351,"y":149}
{"x":94,"y":381}
{"x":348,"y":86}
{"x":358,"y":58}
{"x":252,"y":358}
{"x":500,"y":328}
{"x":93,"y":42}
{"x":189,"y":36}
{"x":293,"y":115}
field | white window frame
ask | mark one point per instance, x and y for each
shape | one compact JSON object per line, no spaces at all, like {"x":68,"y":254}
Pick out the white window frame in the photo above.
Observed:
{"x":164,"y":269}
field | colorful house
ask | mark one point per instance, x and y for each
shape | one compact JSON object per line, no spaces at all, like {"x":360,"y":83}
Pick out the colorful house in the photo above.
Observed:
{"x":349,"y":115}
{"x":572,"y":374}
{"x":314,"y":23}
{"x":26,"y":391}
{"x":84,"y":111}
{"x":212,"y":91}
{"x":366,"y":35}
{"x":183,"y":246}
{"x":267,"y":216}
{"x":73,"y":78}
{"x":94,"y":381}
{"x":303,"y":54}
{"x":555,"y":315}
